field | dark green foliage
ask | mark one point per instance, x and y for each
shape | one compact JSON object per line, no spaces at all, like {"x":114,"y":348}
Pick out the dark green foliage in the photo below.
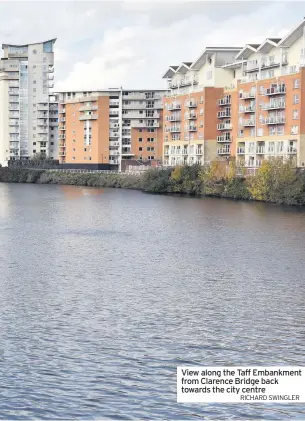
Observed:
{"x":272,"y":183}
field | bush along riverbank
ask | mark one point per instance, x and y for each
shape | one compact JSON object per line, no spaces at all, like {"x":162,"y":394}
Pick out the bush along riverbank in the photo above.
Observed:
{"x":274,"y":181}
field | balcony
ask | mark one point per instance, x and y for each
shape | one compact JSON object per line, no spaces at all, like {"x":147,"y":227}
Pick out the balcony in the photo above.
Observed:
{"x":274,"y":105}
{"x":191,"y":128}
{"x":61,"y":127}
{"x":224,"y":126}
{"x":88,"y":108}
{"x":224,"y":114}
{"x":113,"y":161}
{"x":173,"y":85}
{"x":114,"y":134}
{"x":144,"y":124}
{"x":136,"y":106}
{"x":14,"y":99}
{"x":224,"y":139}
{"x":223,"y":151}
{"x":62,"y":136}
{"x":61,"y":153}
{"x":224,"y":101}
{"x":42,"y":129}
{"x":240,"y":151}
{"x":249,"y":109}
{"x":191,"y":104}
{"x":191,"y":116}
{"x":275,"y":120}
{"x":270,"y":63}
{"x":88,"y":117}
{"x":248,"y":123}
{"x":127,"y":153}
{"x":198,"y":152}
{"x":260,"y":150}
{"x":14,"y":129}
{"x":247,"y":95}
{"x":174,"y":106}
{"x":276,"y":90}
{"x":291,"y":150}
{"x":175,"y":129}
{"x":114,"y":143}
{"x":53,"y":123}
{"x":173,"y":117}
{"x":252,"y":66}
{"x":62,"y":120}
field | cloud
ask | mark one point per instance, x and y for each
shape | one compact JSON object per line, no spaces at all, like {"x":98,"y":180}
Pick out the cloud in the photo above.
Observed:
{"x":102,"y":44}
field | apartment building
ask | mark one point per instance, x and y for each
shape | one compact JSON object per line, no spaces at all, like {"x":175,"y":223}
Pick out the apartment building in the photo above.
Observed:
{"x":28,"y":108}
{"x":268,"y":100}
{"x":104,"y":128}
{"x":192,"y":109}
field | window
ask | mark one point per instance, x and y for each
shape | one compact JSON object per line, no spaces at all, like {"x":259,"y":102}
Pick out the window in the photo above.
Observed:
{"x":89,"y":158}
{"x":34,"y":143}
{"x":296,"y":84}
{"x":201,"y":111}
{"x":34,"y":150}
{"x":73,"y":149}
{"x":295,"y":114}
{"x":201,"y":100}
{"x":261,"y":90}
{"x":140,"y":139}
{"x":271,"y":131}
{"x":148,"y":148}
{"x":260,"y":131}
{"x":209,"y":74}
{"x":85,"y":149}
{"x":73,"y":131}
{"x":294,"y":129}
{"x":140,"y":130}
{"x":295,"y":99}
{"x":240,"y":133}
{"x":280,"y":130}
{"x":52,"y":143}
{"x":151,"y":157}
{"x":140,"y":148}
{"x":73,"y":157}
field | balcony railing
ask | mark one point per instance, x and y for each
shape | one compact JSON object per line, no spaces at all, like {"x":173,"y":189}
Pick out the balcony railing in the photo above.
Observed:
{"x":224,"y":114}
{"x":190,"y":116}
{"x":174,"y":106}
{"x":88,"y":108}
{"x":225,"y":101}
{"x":275,"y":120}
{"x":260,"y":150}
{"x":191,"y":128}
{"x":173,"y":117}
{"x":175,"y":129}
{"x":247,"y":95}
{"x":88,"y":117}
{"x":274,"y":105}
{"x":291,"y":150}
{"x":224,"y":139}
{"x":223,"y":151}
{"x":224,"y":126}
{"x":191,"y":104}
{"x":240,"y":151}
{"x":276,"y":90}
{"x":248,"y":123}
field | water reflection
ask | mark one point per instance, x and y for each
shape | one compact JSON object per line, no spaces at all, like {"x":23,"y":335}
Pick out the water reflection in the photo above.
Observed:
{"x":102,"y":297}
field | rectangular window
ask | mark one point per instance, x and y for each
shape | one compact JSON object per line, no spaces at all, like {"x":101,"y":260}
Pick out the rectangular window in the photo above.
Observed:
{"x":140,"y":148}
{"x":296,"y":83}
{"x":295,"y":114}
{"x":209,"y":74}
{"x":140,"y":139}
{"x":280,"y":130}
{"x":295,"y":99}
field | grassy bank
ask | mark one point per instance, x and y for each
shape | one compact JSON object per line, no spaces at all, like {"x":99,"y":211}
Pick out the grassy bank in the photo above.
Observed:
{"x":274,"y":182}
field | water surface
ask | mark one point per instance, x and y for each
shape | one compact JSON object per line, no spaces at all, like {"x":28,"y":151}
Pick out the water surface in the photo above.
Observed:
{"x":105,"y":292}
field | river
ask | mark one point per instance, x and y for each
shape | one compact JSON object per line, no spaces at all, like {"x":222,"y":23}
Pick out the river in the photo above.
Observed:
{"x":105,"y":292}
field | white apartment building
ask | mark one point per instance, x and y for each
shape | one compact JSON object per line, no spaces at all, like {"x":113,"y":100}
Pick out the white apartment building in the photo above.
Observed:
{"x":28,"y":109}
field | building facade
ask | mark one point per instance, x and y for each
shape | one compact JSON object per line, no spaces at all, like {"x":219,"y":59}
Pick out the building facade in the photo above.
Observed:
{"x":258,"y":103}
{"x":28,"y":108}
{"x":103,"y":129}
{"x":194,"y":118}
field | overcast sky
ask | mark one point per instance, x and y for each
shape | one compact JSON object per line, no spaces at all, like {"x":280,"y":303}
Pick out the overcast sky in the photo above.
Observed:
{"x":111,"y":44}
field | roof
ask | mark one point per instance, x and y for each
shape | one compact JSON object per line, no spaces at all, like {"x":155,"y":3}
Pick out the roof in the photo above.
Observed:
{"x":187,"y":63}
{"x":170,"y":72}
{"x":293,"y":35}
{"x":26,"y":45}
{"x":208,"y":51}
{"x":247,"y":51}
{"x":268,"y":44}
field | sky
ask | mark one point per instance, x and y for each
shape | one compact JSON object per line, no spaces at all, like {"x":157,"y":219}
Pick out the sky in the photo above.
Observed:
{"x":103,"y":45}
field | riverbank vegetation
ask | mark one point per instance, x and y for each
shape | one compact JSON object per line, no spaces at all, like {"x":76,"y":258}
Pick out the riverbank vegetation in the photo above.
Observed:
{"x":274,"y":181}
